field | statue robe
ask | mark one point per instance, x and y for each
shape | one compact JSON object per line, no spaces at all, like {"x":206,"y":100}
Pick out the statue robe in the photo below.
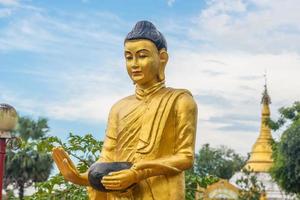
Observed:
{"x":155,"y":130}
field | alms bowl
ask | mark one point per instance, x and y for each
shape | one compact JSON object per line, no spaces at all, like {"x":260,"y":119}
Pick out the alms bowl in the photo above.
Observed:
{"x":98,"y":170}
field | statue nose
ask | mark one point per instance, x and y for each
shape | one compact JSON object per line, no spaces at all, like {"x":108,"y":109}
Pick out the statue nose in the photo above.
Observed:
{"x":134,"y":64}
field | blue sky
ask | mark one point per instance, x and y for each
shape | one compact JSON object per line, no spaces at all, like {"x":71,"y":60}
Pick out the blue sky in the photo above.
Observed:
{"x":63,"y":60}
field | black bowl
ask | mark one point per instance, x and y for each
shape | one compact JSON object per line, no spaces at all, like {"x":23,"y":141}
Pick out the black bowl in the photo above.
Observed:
{"x":98,"y":170}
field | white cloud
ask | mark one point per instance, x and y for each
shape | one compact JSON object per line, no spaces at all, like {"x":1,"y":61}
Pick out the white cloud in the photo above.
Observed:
{"x":229,"y":97}
{"x":9,"y":2}
{"x":89,"y":95}
{"x":5,"y":12}
{"x":80,"y":66}
{"x":76,"y":96}
{"x":40,"y":33}
{"x":251,"y":26}
{"x":228,"y":47}
{"x":170,"y":2}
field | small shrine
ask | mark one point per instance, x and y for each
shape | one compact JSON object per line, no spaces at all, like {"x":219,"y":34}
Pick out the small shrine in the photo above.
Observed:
{"x":219,"y":190}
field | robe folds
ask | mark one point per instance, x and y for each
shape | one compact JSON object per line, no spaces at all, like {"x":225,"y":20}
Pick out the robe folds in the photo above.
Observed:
{"x":156,"y":132}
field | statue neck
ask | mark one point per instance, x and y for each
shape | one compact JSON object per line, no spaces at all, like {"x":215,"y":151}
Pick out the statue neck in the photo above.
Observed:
{"x":141,"y":93}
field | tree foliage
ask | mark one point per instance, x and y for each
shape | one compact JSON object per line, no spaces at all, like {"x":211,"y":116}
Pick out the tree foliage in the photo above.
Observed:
{"x":221,"y":162}
{"x":286,"y":151}
{"x":26,"y":165}
{"x":250,"y":187}
{"x":192,"y":180}
{"x":211,"y":164}
{"x":85,"y":150}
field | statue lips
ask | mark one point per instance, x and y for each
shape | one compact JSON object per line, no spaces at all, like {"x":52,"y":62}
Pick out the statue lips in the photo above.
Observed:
{"x":136,"y":73}
{"x":98,"y":170}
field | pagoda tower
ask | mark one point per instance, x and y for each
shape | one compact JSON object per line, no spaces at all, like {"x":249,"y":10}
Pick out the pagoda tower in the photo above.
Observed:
{"x":260,"y":160}
{"x":261,"y":155}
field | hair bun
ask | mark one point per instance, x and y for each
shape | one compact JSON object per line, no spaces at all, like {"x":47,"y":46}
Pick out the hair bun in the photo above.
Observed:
{"x":146,"y":30}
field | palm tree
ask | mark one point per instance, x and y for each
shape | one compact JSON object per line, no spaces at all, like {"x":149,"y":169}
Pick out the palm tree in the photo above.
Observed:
{"x":27,"y":165}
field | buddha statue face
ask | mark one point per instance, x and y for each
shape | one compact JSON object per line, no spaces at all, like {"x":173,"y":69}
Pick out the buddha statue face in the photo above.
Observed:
{"x":145,"y":64}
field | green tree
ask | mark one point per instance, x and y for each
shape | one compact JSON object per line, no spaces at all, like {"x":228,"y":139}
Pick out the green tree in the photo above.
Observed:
{"x":286,"y":151}
{"x":192,"y":180}
{"x":250,"y":187}
{"x":26,"y":165}
{"x":210,"y":165}
{"x":84,"y":150}
{"x":221,"y":162}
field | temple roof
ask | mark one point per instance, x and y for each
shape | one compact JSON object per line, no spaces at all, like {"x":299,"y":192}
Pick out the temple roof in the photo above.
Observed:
{"x":266,"y":99}
{"x":261,"y":154}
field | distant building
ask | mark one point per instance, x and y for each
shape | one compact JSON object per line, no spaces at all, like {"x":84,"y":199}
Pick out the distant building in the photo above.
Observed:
{"x":219,"y":190}
{"x":260,"y":162}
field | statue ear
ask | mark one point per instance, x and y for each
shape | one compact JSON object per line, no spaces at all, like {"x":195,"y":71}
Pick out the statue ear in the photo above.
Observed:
{"x":163,"y":57}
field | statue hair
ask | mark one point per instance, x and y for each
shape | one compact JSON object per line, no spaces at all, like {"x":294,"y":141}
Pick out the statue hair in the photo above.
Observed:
{"x":146,"y":30}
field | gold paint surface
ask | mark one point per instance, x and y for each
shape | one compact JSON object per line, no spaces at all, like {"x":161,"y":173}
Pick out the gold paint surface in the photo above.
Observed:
{"x":261,"y":155}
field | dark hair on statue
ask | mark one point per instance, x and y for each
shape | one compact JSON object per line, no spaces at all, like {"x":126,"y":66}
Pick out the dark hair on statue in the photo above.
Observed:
{"x":146,"y":30}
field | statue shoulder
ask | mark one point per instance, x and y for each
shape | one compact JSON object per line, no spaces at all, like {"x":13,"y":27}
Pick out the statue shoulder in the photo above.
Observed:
{"x":122,"y":102}
{"x":185,"y":100}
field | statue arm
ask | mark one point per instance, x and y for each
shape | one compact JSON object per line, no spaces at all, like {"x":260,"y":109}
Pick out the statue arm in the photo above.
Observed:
{"x":107,"y":152}
{"x":67,"y":167}
{"x":183,"y":157}
{"x":108,"y":148}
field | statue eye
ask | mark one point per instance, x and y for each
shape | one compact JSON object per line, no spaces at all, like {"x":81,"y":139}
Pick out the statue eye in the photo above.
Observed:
{"x":142,"y":55}
{"x":128,"y":57}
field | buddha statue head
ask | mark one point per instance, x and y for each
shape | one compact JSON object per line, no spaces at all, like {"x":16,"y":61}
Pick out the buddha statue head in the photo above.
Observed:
{"x":146,"y":54}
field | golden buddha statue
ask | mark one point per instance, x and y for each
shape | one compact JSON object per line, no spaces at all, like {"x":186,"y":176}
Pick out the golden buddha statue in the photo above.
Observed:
{"x":154,"y":129}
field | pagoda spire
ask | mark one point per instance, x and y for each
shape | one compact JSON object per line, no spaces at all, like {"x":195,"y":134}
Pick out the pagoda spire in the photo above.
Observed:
{"x":261,"y":155}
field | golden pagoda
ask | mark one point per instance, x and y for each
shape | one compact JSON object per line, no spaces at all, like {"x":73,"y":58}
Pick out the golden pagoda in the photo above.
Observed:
{"x":261,"y":155}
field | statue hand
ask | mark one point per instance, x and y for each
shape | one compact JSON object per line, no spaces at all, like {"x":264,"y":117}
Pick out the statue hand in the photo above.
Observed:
{"x":67,"y":167}
{"x":120,"y":180}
